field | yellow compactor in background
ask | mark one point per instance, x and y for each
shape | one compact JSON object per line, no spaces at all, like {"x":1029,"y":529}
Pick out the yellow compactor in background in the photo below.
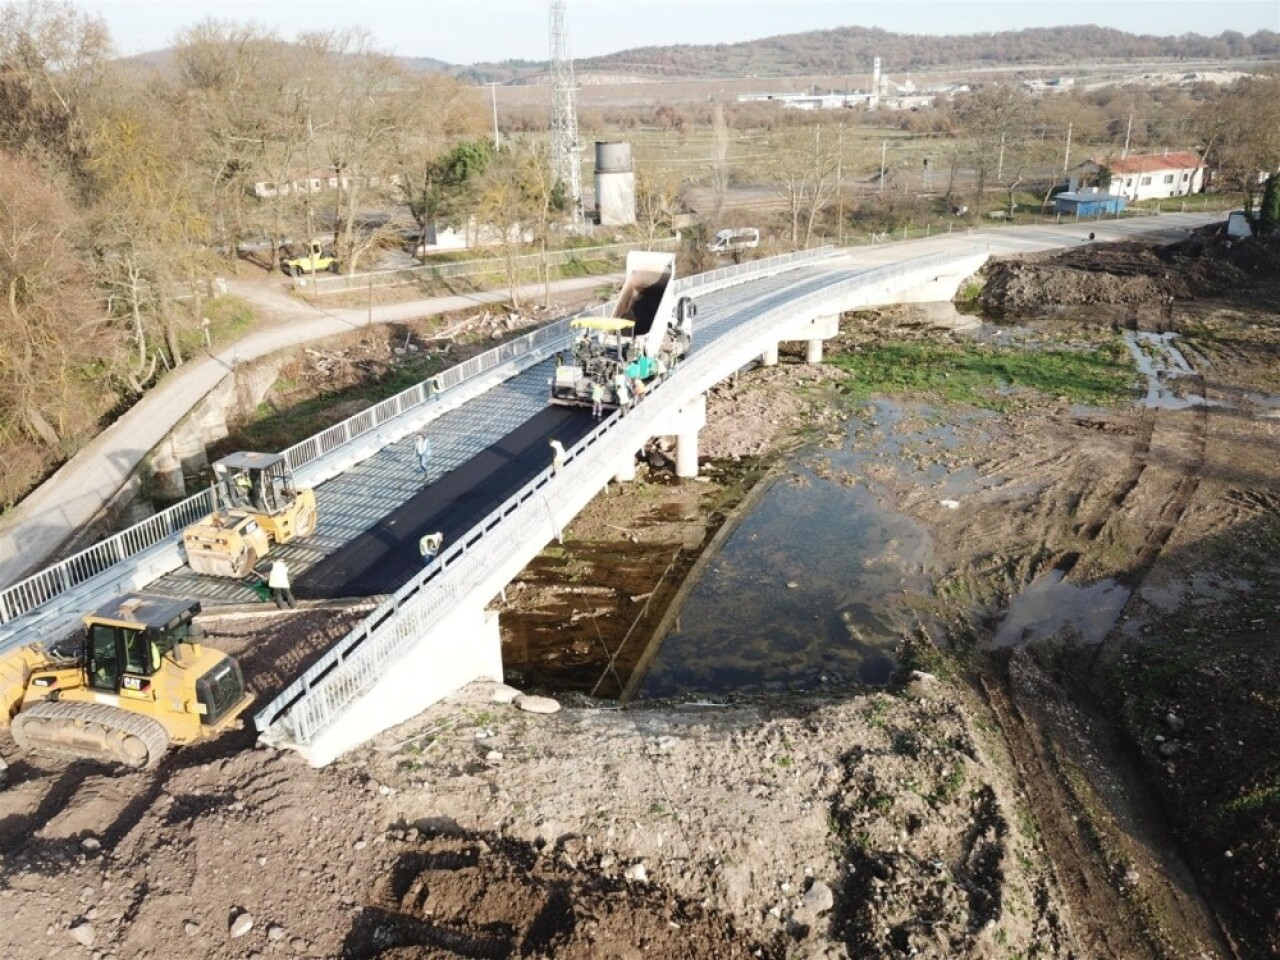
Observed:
{"x":255,"y":502}
{"x":137,"y":680}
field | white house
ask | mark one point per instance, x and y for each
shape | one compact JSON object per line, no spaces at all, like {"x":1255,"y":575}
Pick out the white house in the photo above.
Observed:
{"x":1148,"y":176}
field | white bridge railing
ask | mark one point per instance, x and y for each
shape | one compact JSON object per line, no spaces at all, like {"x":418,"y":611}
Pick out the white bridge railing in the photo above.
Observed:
{"x":321,"y":694}
{"x":107,"y":555}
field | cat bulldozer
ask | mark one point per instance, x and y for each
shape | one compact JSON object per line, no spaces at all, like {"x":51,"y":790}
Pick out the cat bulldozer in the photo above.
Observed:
{"x":255,"y":503}
{"x":137,"y":680}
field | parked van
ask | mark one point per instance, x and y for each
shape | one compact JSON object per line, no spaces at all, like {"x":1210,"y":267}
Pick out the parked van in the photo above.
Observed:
{"x":744,"y":238}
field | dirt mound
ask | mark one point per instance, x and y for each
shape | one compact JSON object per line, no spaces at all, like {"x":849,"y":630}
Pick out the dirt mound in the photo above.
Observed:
{"x":491,"y":897}
{"x":1204,"y":265}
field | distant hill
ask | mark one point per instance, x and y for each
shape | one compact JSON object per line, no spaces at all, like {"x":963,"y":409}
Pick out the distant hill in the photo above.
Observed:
{"x":850,"y":50}
{"x":427,"y":65}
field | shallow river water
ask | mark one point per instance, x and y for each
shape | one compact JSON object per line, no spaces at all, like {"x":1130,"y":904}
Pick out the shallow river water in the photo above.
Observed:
{"x":816,"y":584}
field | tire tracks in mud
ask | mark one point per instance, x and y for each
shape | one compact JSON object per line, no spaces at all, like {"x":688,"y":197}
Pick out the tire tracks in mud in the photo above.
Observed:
{"x":1128,"y":886}
{"x":1074,"y":863}
{"x":1122,"y":502}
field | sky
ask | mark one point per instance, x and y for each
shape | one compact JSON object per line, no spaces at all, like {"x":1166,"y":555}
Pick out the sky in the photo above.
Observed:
{"x":472,"y":31}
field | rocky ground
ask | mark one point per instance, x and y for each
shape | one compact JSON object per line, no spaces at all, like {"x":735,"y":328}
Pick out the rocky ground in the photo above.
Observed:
{"x":1088,"y":770}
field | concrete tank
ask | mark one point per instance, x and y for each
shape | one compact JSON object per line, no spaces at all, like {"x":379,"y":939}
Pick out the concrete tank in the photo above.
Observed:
{"x":615,"y":185}
{"x":613,"y":157}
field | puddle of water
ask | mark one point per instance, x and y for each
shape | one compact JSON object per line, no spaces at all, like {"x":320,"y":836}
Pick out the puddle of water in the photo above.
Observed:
{"x":1264,"y":400}
{"x":1049,"y":605}
{"x":1160,"y":361}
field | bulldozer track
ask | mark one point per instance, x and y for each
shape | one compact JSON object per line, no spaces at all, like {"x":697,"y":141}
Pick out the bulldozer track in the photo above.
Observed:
{"x":91,"y":731}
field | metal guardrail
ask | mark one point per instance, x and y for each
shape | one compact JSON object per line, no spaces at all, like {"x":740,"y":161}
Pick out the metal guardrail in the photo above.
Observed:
{"x":329,"y":686}
{"x":322,"y":284}
{"x":46,"y":585}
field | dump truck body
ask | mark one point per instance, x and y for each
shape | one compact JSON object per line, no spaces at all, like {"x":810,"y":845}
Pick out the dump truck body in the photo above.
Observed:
{"x":648,"y":333}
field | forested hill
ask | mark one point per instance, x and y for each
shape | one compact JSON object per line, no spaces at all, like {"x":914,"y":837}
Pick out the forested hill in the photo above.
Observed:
{"x":851,"y":49}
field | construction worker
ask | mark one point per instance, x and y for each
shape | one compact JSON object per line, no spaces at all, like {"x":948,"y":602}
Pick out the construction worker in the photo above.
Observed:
{"x":638,"y":388}
{"x":624,"y":395}
{"x":278,"y":581}
{"x":659,"y":367}
{"x":422,"y":446}
{"x":597,"y":399}
{"x":557,"y":456}
{"x":429,"y":546}
{"x":242,"y":486}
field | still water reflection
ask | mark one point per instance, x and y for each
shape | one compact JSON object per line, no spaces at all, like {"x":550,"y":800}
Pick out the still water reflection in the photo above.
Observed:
{"x":817,"y":584}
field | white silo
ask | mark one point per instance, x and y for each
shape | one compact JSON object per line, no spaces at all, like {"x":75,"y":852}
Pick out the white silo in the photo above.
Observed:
{"x":615,"y":185}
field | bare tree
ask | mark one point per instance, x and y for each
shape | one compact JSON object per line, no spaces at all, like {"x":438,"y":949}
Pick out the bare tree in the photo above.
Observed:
{"x":51,"y":336}
{"x":1241,"y":134}
{"x":52,"y":57}
{"x":991,"y":120}
{"x":546,"y":198}
{"x":245,"y":114}
{"x":657,"y":200}
{"x":150,"y":233}
{"x":719,"y":161}
{"x":507,"y":204}
{"x":802,"y":171}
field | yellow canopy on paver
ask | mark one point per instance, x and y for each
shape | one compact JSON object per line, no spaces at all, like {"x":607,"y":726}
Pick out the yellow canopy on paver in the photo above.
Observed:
{"x":608,"y":324}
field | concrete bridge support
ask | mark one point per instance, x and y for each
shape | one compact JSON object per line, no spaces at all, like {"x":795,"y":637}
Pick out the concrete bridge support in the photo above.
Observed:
{"x":626,"y":468}
{"x":813,"y":331}
{"x":464,"y":647}
{"x":685,"y":424}
{"x":770,"y":357}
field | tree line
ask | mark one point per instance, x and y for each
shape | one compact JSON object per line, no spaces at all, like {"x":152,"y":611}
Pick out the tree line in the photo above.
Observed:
{"x":849,"y":51}
{"x":126,"y":186}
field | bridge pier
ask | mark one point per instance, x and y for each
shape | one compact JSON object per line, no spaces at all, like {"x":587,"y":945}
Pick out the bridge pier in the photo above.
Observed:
{"x":770,"y":356}
{"x":626,"y":468}
{"x":684,"y":425}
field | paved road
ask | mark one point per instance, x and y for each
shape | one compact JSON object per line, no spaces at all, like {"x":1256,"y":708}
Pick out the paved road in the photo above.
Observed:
{"x":75,"y":494}
{"x":70,"y":500}
{"x":385,"y":556}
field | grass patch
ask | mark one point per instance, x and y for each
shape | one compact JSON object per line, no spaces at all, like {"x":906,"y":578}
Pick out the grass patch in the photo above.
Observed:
{"x":229,"y":317}
{"x":974,"y":374}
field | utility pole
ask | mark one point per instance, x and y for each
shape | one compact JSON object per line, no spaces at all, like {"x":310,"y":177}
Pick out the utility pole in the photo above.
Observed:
{"x":1127,"y":130}
{"x":1000,"y":162}
{"x":840,"y":184}
{"x":493,"y":95}
{"x":1066,"y":160}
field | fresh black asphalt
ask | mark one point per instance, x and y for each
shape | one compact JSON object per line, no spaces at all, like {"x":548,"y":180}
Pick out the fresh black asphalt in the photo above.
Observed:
{"x":384,"y":557}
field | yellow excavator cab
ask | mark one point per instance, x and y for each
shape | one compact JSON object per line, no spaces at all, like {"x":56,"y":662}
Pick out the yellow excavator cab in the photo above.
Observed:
{"x":138,"y":679}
